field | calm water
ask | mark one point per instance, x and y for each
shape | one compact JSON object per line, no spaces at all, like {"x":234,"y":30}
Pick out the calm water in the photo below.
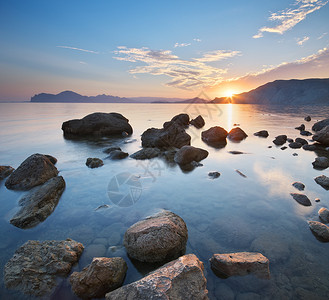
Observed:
{"x":228,"y":214}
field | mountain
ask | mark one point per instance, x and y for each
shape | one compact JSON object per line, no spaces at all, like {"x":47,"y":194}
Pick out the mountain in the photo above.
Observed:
{"x":156,"y":99}
{"x":290,"y":92}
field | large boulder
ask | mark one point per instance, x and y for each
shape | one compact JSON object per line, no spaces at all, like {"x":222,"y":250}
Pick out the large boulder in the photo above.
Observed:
{"x":322,"y":180}
{"x":100,"y":277}
{"x":321,"y":124}
{"x":146,"y":153}
{"x":181,"y":279}
{"x":236,"y":134}
{"x":39,"y":203}
{"x":180,"y":120}
{"x":241,"y":263}
{"x":35,"y":265}
{"x":322,"y":136}
{"x":198,"y":122}
{"x":321,"y":162}
{"x":97,"y":124}
{"x":187,"y":154}
{"x":5,"y":171}
{"x":214,"y":135}
{"x":157,"y":238}
{"x":320,"y":230}
{"x":35,"y":170}
{"x":171,"y":136}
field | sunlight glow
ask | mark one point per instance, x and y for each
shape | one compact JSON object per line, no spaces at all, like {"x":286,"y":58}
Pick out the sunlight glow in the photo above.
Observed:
{"x":229,"y":94}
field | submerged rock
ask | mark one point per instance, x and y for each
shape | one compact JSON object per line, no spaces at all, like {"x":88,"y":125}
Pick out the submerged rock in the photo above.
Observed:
{"x":301,"y":199}
{"x":321,"y":162}
{"x":241,"y":263}
{"x":181,"y":279}
{"x":324,"y":214}
{"x":306,"y":133}
{"x":321,"y":231}
{"x":322,"y":136}
{"x":110,"y":149}
{"x":35,"y":170}
{"x":117,"y":154}
{"x":35,"y":265}
{"x":322,"y":180}
{"x":146,"y":153}
{"x":187,"y":154}
{"x":321,"y":124}
{"x":295,"y":145}
{"x":39,"y":203}
{"x":157,"y":238}
{"x":236,"y":134}
{"x":301,"y":127}
{"x":5,"y":171}
{"x":280,"y":140}
{"x":198,"y":122}
{"x":94,"y":162}
{"x":213,"y":175}
{"x":262,"y":133}
{"x":214,"y":135}
{"x":97,"y":124}
{"x":299,"y":186}
{"x":100,"y":277}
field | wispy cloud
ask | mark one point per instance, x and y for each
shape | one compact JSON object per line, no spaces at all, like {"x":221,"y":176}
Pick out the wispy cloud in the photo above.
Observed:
{"x":185,"y":74}
{"x":301,"y":41}
{"x":290,"y":17}
{"x":182,"y":45}
{"x":78,"y":49}
{"x":197,"y":40}
{"x":322,"y":35}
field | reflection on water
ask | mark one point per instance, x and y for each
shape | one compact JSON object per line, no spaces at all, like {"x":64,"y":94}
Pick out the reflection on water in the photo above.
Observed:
{"x":227,"y":214}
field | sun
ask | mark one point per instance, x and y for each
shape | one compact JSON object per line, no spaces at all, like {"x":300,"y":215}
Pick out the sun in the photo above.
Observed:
{"x":229,"y":94}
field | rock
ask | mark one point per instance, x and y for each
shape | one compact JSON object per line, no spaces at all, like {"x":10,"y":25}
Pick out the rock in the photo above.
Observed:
{"x":181,"y":279}
{"x":302,"y":141}
{"x":301,"y":127}
{"x":280,"y":140}
{"x":110,"y":149}
{"x":236,"y":152}
{"x":117,"y":154}
{"x":299,"y":186}
{"x":198,"y":122}
{"x":309,"y":147}
{"x":237,"y":134}
{"x":213,"y":175}
{"x":5,"y":171}
{"x":305,"y":133}
{"x":214,"y":135}
{"x":262,"y":133}
{"x":284,"y":148}
{"x":289,"y":140}
{"x":295,"y":145}
{"x":321,"y":231}
{"x":307,"y":119}
{"x":321,"y":124}
{"x":317,"y":199}
{"x":196,"y":164}
{"x":35,"y":265}
{"x":52,"y":159}
{"x":97,"y":124}
{"x":295,"y":154}
{"x":324,"y":214}
{"x":94,"y":162}
{"x":39,"y":203}
{"x":180,"y":120}
{"x":100,"y":277}
{"x":301,"y":199}
{"x":146,"y":153}
{"x":322,"y":136}
{"x":322,"y":180}
{"x":35,"y":170}
{"x":187,"y":154}
{"x":241,"y":263}
{"x":171,"y":136}
{"x":241,"y":174}
{"x":321,"y":162}
{"x":157,"y":238}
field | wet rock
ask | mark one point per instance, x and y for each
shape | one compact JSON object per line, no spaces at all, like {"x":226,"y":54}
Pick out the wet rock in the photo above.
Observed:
{"x":180,"y":120}
{"x":198,"y":122}
{"x":317,"y":200}
{"x":39,"y":203}
{"x":302,"y":141}
{"x":307,"y":119}
{"x":146,"y":153}
{"x":169,"y":155}
{"x":180,"y":279}
{"x":241,"y":174}
{"x":236,"y":152}
{"x":213,"y":175}
{"x":94,"y":162}
{"x":306,"y":133}
{"x":236,"y":134}
{"x":117,"y":154}
{"x":35,"y":265}
{"x":241,"y":263}
{"x":103,"y":275}
{"x":301,"y":199}
{"x":262,"y":133}
{"x":295,"y":154}
{"x":322,"y":136}
{"x":52,"y":159}
{"x":301,"y":127}
{"x":5,"y":171}
{"x":324,"y":214}
{"x":110,"y":149}
{"x":187,"y":154}
{"x":321,"y":124}
{"x":309,"y":147}
{"x":171,"y":136}
{"x":35,"y":170}
{"x":284,"y":148}
{"x":157,"y":238}
{"x":295,"y":145}
{"x":214,"y":135}
{"x":322,"y":180}
{"x":321,"y":162}
{"x":280,"y":140}
{"x":97,"y":124}
{"x":289,"y":140}
{"x":299,"y":185}
{"x":321,"y":231}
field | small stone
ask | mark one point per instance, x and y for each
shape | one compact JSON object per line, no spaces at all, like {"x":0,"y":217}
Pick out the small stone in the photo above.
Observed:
{"x":110,"y":149}
{"x":187,"y":154}
{"x":299,"y":186}
{"x":324,"y":214}
{"x":321,"y":162}
{"x":306,"y":133}
{"x":146,"y":153}
{"x":213,"y":175}
{"x":94,"y":162}
{"x":117,"y":154}
{"x":280,"y":140}
{"x":262,"y":133}
{"x":307,"y":119}
{"x":289,"y":140}
{"x":236,"y":152}
{"x":237,"y":134}
{"x":301,"y":199}
{"x":317,"y":200}
{"x":301,"y":127}
{"x":5,"y":171}
{"x":322,"y":180}
{"x":320,"y":230}
{"x":309,"y":147}
{"x":295,"y":145}
{"x":295,"y":154}
{"x":283,"y":148}
{"x":198,"y":122}
{"x":301,"y":140}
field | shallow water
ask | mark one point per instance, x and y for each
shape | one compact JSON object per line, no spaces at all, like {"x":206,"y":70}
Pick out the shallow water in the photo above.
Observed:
{"x":228,"y":214}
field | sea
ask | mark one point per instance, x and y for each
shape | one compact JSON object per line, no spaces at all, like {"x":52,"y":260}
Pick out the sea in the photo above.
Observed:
{"x":247,"y":208}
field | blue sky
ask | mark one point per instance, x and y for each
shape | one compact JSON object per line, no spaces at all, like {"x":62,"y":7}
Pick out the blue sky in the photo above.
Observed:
{"x":163,"y":49}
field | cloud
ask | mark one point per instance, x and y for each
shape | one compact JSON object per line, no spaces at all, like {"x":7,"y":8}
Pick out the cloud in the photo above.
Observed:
{"x":301,"y":41}
{"x":322,"y":35}
{"x":182,"y":45}
{"x":290,"y":17}
{"x":185,"y":74}
{"x":78,"y":49}
{"x":197,"y":40}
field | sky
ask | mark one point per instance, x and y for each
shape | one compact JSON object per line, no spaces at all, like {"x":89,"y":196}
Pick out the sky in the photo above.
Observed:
{"x":159,"y":48}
